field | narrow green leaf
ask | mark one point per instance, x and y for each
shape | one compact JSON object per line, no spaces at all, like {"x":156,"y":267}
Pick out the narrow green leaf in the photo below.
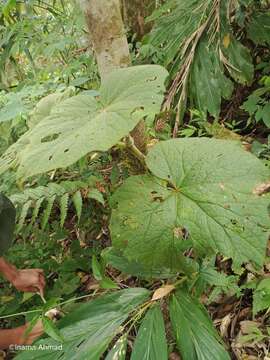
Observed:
{"x":90,"y":328}
{"x":51,"y":329}
{"x":107,"y":283}
{"x":96,"y":195}
{"x":118,"y":352}
{"x":97,"y":268}
{"x":63,"y":208}
{"x":47,"y":212}
{"x":23,"y":214}
{"x":77,"y":201}
{"x":36,"y":209}
{"x":195,"y":334}
{"x":31,"y":325}
{"x":151,"y":343}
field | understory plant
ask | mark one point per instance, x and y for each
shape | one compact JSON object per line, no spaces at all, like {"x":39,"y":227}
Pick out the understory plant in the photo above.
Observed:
{"x":204,"y":46}
{"x":195,"y":198}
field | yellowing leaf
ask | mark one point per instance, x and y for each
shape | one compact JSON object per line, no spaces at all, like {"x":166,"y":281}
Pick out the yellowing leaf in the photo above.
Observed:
{"x":162,"y":292}
{"x":226,"y":41}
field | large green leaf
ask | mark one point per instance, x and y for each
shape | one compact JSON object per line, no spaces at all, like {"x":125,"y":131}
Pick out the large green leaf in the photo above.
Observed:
{"x":203,"y":194}
{"x":115,"y":258}
{"x":84,"y":123}
{"x":7,"y":223}
{"x":151,"y":343}
{"x":195,"y":335}
{"x":89,"y":329}
{"x":44,"y":107}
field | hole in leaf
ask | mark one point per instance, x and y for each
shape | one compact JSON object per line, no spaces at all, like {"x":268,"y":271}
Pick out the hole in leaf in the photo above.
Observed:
{"x":156,"y":197}
{"x":151,"y":79}
{"x":50,"y":137}
{"x":180,"y":233}
{"x":66,"y":150}
{"x":137,"y":109}
{"x":50,"y":158}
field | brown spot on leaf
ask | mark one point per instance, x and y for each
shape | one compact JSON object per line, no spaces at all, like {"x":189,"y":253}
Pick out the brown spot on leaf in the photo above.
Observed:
{"x":221,"y":185}
{"x":262,"y":188}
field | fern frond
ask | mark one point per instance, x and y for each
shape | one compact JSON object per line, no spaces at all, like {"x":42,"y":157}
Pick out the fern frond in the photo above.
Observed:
{"x":77,"y":201}
{"x":63,"y":208}
{"x":36,"y":210}
{"x":47,"y":212}
{"x":54,"y":194}
{"x":23,"y":215}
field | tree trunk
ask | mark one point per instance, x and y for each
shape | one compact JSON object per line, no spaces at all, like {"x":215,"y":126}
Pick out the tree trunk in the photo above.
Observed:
{"x":107,"y":34}
{"x":110,"y":44}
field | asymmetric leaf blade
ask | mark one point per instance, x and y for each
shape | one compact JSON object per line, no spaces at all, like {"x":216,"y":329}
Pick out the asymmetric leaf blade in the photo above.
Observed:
{"x":202,"y":194}
{"x":84,"y":123}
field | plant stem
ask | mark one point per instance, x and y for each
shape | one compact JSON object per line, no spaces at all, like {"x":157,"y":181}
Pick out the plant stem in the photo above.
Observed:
{"x":135,"y":151}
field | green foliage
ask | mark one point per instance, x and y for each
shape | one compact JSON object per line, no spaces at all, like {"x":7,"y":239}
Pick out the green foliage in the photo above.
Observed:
{"x":253,"y":333}
{"x":118,"y":352}
{"x":90,"y":328}
{"x":44,"y":42}
{"x":220,"y":282}
{"x":195,"y":335}
{"x":51,"y":329}
{"x":258,"y":28}
{"x":151,"y":343}
{"x":195,"y":197}
{"x":84,"y":123}
{"x":47,"y":196}
{"x":258,"y":103}
{"x":200,"y":48}
{"x":261,"y":297}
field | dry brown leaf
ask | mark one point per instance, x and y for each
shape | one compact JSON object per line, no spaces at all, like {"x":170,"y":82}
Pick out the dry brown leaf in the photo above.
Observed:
{"x":224,"y":325}
{"x":247,"y":325}
{"x":53,"y":314}
{"x":162,"y":292}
